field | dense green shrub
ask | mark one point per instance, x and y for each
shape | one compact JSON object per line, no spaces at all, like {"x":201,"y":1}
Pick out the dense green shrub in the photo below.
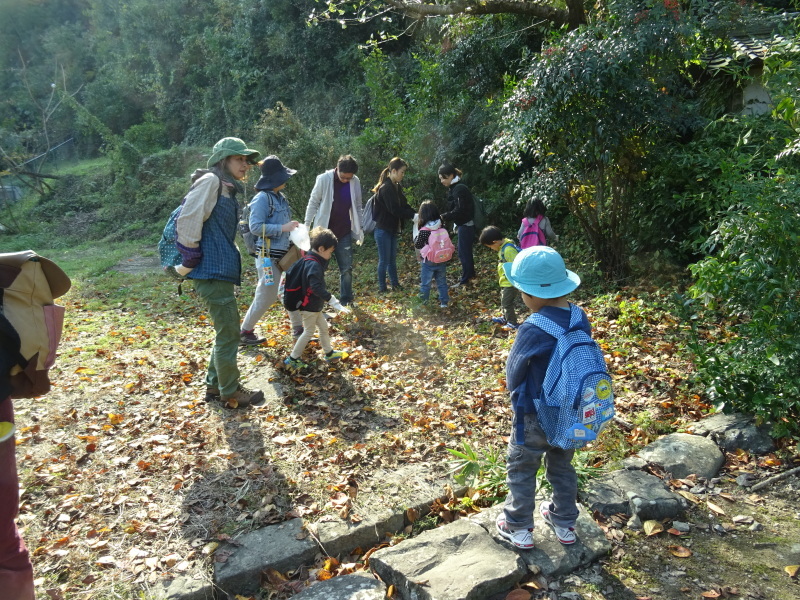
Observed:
{"x":694,"y":183}
{"x":751,"y":276}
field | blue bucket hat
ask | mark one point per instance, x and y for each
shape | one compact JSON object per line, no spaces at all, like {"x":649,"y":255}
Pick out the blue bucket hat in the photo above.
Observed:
{"x":273,"y":173}
{"x":540,"y":271}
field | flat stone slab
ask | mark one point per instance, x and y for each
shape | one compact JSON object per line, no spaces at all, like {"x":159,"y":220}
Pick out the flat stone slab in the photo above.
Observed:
{"x":183,"y":588}
{"x":345,"y":587}
{"x":682,"y":454}
{"x":633,"y":493}
{"x":410,"y":486}
{"x":550,"y":557}
{"x":275,"y":546}
{"x":459,"y":561}
{"x":339,"y":537}
{"x":734,"y":432}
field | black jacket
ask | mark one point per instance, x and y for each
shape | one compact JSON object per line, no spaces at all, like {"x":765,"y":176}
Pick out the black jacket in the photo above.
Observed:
{"x":460,"y":204}
{"x":391,"y":207}
{"x":305,"y":284}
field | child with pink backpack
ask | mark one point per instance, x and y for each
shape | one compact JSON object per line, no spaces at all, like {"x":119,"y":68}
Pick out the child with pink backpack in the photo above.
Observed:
{"x":536,"y":229}
{"x":436,"y":249}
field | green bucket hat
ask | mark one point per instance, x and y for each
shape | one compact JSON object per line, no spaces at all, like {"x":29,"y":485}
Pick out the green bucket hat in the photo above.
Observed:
{"x":231,"y":146}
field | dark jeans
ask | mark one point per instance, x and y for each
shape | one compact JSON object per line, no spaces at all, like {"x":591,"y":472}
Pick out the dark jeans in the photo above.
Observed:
{"x":344,"y":258}
{"x":466,"y":239}
{"x":387,"y":258}
{"x":16,"y":571}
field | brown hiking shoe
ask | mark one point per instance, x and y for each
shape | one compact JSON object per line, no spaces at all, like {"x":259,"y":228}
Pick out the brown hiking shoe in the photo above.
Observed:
{"x":212,"y":394}
{"x":243,"y":397}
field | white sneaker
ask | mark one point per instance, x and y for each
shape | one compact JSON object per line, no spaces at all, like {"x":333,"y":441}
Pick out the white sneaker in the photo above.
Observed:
{"x":565,"y":535}
{"x":521,"y":538}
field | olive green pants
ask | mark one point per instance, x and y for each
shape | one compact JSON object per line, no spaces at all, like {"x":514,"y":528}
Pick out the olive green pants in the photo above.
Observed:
{"x":223,"y":372}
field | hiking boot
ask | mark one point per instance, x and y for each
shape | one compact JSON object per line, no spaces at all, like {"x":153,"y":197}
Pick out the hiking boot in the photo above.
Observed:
{"x":212,"y":394}
{"x":521,"y":538}
{"x":249,"y":338}
{"x":336,"y":355}
{"x":243,"y":397}
{"x":499,"y":320}
{"x":295,"y":363}
{"x":565,"y":535}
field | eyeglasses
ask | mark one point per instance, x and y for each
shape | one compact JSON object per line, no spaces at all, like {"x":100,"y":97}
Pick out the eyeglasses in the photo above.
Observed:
{"x":345,"y":177}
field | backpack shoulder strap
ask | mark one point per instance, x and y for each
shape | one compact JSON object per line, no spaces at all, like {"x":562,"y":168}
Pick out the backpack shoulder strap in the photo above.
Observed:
{"x":548,"y":325}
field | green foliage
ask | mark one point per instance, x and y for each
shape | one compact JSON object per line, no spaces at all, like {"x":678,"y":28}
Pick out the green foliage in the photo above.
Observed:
{"x":694,"y":183}
{"x":482,"y":470}
{"x":588,"y":112}
{"x":751,"y":275}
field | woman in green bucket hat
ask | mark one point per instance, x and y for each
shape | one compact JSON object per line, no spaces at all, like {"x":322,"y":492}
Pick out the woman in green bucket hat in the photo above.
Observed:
{"x":206,"y":232}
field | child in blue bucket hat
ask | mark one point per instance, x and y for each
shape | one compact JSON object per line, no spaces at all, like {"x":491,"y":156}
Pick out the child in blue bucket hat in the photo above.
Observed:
{"x":540,"y":274}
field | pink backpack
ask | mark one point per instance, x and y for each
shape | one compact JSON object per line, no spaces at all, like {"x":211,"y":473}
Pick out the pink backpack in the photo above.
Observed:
{"x":533,"y":234}
{"x":439,"y":248}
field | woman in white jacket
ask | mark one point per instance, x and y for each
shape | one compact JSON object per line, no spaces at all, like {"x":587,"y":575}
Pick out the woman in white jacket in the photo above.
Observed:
{"x":335,"y":204}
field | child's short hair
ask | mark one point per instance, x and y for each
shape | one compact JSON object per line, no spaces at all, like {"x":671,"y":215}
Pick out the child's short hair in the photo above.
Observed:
{"x":490,"y":235}
{"x":428,"y":211}
{"x":322,"y":238}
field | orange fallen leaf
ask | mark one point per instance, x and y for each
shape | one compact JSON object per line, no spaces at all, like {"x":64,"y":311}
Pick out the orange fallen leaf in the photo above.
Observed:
{"x":680,"y":551}
{"x":792,"y":570}
{"x":711,"y":594}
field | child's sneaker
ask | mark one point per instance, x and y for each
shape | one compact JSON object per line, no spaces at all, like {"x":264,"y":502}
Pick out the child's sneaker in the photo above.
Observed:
{"x":565,"y":535}
{"x":443,"y":305}
{"x":510,"y":327}
{"x":499,"y":320}
{"x":295,"y":363}
{"x":336,"y":355}
{"x":521,"y":538}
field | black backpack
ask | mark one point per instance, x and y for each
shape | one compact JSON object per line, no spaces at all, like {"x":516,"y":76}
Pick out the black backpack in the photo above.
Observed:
{"x":295,"y":297}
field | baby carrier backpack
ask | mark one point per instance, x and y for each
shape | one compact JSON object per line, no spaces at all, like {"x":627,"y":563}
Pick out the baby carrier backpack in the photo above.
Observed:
{"x":532,"y":234}
{"x":30,"y":321}
{"x":439,"y":248}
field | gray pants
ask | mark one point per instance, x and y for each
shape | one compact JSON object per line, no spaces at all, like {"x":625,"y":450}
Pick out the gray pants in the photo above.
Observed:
{"x":523,"y":464}
{"x":509,"y":295}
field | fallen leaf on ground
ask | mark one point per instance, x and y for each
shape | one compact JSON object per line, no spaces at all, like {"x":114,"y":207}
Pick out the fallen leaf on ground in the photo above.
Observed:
{"x":652,"y":527}
{"x":792,"y":570}
{"x":680,"y":551}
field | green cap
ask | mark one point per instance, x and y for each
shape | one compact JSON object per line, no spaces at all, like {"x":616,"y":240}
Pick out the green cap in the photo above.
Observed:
{"x":231,"y":146}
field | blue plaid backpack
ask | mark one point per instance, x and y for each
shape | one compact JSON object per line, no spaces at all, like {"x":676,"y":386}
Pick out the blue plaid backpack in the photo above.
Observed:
{"x":576,"y":400}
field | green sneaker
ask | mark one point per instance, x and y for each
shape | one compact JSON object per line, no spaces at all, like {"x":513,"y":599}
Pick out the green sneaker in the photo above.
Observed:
{"x":336,"y":355}
{"x":295,"y":363}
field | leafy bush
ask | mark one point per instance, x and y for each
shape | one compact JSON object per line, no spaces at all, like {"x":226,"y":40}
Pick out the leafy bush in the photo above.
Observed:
{"x":586,"y":115}
{"x":694,"y":183}
{"x":751,"y":276}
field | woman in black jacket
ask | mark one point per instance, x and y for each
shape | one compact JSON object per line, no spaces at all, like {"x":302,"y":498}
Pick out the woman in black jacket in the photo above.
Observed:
{"x":390,"y":210}
{"x":460,"y":210}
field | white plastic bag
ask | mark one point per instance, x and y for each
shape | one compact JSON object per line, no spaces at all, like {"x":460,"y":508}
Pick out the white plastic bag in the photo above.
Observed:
{"x":299,"y":237}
